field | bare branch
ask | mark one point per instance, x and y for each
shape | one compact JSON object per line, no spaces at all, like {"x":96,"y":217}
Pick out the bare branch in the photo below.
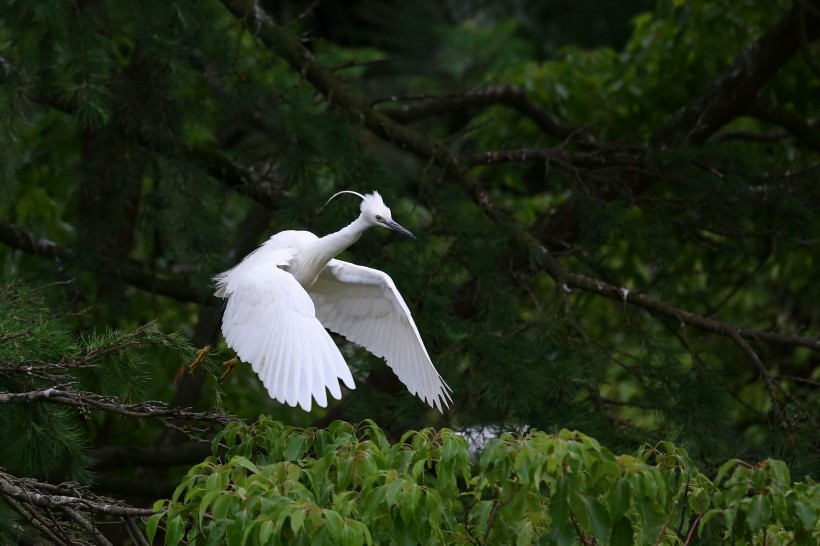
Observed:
{"x":29,"y":491}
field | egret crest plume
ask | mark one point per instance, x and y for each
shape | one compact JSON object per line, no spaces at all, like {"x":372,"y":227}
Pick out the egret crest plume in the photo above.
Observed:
{"x":337,"y":194}
{"x":282,"y":296}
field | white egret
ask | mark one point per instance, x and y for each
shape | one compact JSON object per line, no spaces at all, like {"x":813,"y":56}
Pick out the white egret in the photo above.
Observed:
{"x":283,"y":295}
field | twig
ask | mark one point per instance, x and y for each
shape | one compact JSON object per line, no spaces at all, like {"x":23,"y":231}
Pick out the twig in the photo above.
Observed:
{"x":135,"y":532}
{"x":89,"y":527}
{"x":692,"y":529}
{"x":575,"y":280}
{"x":763,"y":371}
{"x":35,"y":520}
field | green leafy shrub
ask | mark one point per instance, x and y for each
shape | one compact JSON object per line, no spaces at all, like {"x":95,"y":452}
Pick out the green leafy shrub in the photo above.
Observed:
{"x":272,"y":484}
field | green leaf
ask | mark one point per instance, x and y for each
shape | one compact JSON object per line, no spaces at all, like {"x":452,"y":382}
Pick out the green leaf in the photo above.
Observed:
{"x":592,"y":515}
{"x":297,"y":519}
{"x":725,"y":468}
{"x":205,"y":503}
{"x":265,"y":531}
{"x":295,"y":447}
{"x":213,"y":483}
{"x":409,"y":502}
{"x":335,"y":524}
{"x":174,"y":531}
{"x":651,"y":520}
{"x":524,"y":533}
{"x":223,"y":505}
{"x":759,"y":512}
{"x":781,"y":472}
{"x":806,"y":513}
{"x":245,"y":463}
{"x":151,"y":526}
{"x":559,"y":500}
{"x":622,"y":533}
{"x":620,"y":498}
{"x":393,"y":490}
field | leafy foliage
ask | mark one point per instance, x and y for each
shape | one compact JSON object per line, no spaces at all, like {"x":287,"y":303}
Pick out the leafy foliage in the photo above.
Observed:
{"x":271,"y":484}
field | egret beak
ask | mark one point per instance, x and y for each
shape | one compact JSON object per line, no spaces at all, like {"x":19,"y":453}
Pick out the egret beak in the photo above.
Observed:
{"x":396,"y":227}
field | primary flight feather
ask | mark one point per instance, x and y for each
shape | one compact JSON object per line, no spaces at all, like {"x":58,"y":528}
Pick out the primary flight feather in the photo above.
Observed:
{"x":283,"y":295}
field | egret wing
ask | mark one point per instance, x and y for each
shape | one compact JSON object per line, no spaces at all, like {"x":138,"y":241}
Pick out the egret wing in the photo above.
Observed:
{"x":364,"y":306}
{"x":270,"y":322}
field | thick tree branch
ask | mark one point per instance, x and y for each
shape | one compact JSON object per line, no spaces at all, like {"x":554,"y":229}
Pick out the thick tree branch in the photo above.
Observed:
{"x":18,"y":237}
{"x":735,"y":91}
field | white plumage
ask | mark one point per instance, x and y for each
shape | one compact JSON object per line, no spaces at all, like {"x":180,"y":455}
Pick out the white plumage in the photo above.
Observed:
{"x":284,"y":294}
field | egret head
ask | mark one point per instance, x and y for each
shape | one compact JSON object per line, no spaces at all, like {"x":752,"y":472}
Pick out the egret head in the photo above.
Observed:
{"x":375,"y":212}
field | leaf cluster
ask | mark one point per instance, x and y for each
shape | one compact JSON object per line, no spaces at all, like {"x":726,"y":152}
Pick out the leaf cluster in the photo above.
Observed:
{"x":272,"y":484}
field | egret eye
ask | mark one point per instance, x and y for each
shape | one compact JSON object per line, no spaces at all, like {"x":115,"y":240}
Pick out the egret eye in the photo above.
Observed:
{"x":379,"y":218}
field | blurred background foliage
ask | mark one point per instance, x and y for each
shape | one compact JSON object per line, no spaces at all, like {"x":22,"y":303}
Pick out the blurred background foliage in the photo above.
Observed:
{"x":147,"y":146}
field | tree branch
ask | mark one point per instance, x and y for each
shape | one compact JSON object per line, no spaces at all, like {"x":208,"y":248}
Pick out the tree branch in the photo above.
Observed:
{"x":88,"y":401}
{"x":342,"y":96}
{"x":31,"y":492}
{"x":507,"y":95}
{"x":802,"y":131}
{"x":735,"y":90}
{"x":620,"y":294}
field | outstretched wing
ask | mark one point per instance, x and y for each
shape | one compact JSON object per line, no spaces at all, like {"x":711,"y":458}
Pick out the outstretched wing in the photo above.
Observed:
{"x":363,"y":305}
{"x":270,"y":322}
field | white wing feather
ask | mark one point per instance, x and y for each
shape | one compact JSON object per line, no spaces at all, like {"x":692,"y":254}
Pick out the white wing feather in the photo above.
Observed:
{"x":270,"y":322}
{"x":363,"y":305}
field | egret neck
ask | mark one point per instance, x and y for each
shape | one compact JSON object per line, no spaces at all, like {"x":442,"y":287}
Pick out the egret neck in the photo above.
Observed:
{"x":313,"y":259}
